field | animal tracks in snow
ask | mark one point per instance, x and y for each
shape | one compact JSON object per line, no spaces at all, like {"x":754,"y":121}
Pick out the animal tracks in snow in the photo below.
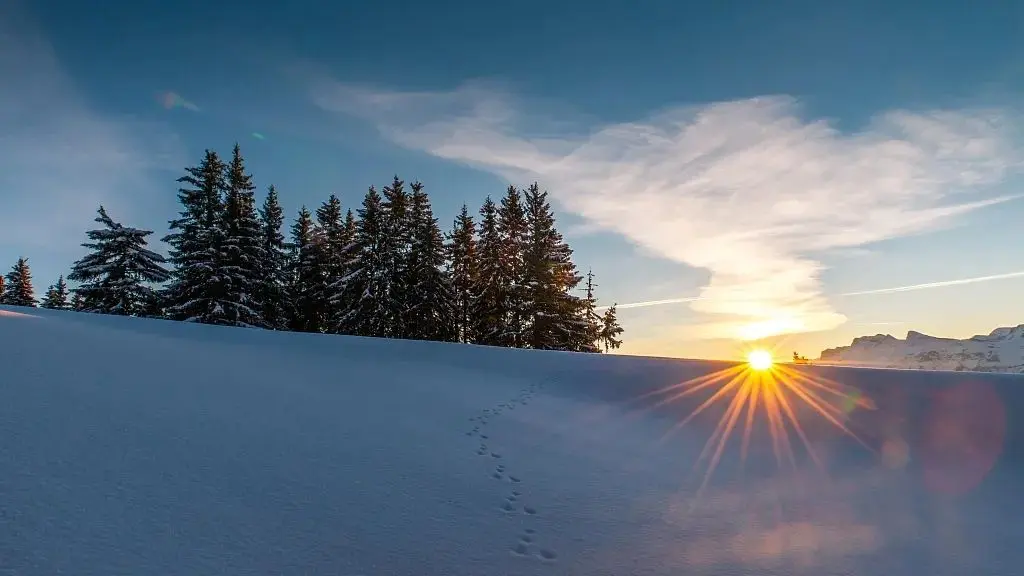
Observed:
{"x":526,"y":544}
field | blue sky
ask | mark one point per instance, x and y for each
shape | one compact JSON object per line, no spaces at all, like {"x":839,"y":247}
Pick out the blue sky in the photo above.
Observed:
{"x":767,"y":159}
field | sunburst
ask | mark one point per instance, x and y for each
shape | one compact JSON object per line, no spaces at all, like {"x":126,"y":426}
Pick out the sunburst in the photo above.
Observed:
{"x":761,"y":387}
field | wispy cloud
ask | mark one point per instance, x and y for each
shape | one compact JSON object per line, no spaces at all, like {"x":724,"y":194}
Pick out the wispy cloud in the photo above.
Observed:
{"x":749,"y":190}
{"x":58,"y":159}
{"x":939,"y":284}
{"x":889,"y":290}
{"x":649,"y":303}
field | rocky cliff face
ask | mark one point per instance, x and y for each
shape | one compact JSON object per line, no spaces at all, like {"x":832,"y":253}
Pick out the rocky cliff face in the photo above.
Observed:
{"x":1000,"y":351}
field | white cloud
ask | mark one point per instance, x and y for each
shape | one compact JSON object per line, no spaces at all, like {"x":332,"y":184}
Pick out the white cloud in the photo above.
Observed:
{"x":58,"y":159}
{"x":747,"y":189}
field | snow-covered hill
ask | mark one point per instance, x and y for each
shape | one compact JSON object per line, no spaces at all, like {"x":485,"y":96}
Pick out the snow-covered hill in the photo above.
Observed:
{"x":147,"y":447}
{"x":1000,"y":351}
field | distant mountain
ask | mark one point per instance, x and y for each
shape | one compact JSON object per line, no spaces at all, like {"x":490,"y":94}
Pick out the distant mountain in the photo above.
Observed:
{"x":1000,"y":351}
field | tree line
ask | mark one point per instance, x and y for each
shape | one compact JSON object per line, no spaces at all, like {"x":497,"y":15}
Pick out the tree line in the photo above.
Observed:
{"x":504,"y":278}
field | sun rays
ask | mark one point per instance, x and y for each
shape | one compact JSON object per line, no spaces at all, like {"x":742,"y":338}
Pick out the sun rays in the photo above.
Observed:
{"x":763,"y":395}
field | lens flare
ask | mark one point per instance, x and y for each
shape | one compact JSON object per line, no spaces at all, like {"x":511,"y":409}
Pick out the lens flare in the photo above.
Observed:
{"x":171,"y":100}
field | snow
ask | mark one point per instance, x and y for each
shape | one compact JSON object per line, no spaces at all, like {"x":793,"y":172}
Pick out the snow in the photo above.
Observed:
{"x":1002,"y":350}
{"x":134,"y":446}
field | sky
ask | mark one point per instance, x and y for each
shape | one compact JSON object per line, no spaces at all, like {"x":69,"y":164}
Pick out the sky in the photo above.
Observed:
{"x":801,"y":173}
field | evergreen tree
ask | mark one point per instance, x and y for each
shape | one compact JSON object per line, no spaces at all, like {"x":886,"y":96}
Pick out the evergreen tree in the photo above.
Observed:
{"x":610,"y":329}
{"x":272,"y":291}
{"x":56,"y":297}
{"x":512,"y":229}
{"x":154,"y":305}
{"x":243,"y":247}
{"x":489,"y":291}
{"x":555,"y":317}
{"x":332,"y":240}
{"x":199,"y":288}
{"x":592,"y":320}
{"x":350,"y":228}
{"x":429,"y":296}
{"x":303,"y":275}
{"x":340,"y":302}
{"x":397,"y":230}
{"x":365,"y":289}
{"x":116,"y":274}
{"x":77,"y":302}
{"x":3,"y":290}
{"x":18,"y":290}
{"x":462,"y":271}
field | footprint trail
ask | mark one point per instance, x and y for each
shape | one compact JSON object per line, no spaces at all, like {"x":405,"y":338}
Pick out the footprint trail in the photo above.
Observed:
{"x":526,"y":545}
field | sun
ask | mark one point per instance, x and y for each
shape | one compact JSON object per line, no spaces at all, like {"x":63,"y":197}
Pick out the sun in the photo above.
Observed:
{"x":759,"y":359}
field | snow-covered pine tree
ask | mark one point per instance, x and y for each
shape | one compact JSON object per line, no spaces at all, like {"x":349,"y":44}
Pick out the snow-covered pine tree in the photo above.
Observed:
{"x":243,"y":247}
{"x":364,"y":290}
{"x":272,"y":293}
{"x":350,"y":228}
{"x":303,"y":275}
{"x":56,"y":297}
{"x":198,"y":289}
{"x":397,"y":231}
{"x":489,"y":310}
{"x":116,"y":274}
{"x":462,"y":270}
{"x":331,"y":243}
{"x":592,"y":322}
{"x":153,"y":306}
{"x":610,"y":329}
{"x":3,"y":290}
{"x":512,"y":228}
{"x":77,"y":302}
{"x":555,"y":317}
{"x":340,"y":296}
{"x":429,"y":296}
{"x":18,"y":290}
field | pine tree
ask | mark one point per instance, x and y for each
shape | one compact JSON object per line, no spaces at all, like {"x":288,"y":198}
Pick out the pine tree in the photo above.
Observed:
{"x":243,"y":247}
{"x":365,"y":289}
{"x":462,"y":270}
{"x":331,"y":243}
{"x":199,"y":288}
{"x":340,"y":298}
{"x":350,"y":228}
{"x":3,"y":290}
{"x":18,"y":290}
{"x":397,"y":229}
{"x":429,"y":296}
{"x":272,"y":290}
{"x":56,"y":297}
{"x":555,"y":317}
{"x":489,"y":291}
{"x":512,"y":228}
{"x":610,"y":329}
{"x":303,"y":275}
{"x":116,"y":274}
{"x":153,"y":306}
{"x":77,"y":302}
{"x":592,"y":324}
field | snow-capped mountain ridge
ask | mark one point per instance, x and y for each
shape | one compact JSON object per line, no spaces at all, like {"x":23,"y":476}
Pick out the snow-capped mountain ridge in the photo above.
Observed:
{"x":1001,"y":350}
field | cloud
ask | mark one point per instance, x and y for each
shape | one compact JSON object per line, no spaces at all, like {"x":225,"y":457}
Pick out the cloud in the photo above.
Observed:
{"x":58,"y":159}
{"x":939,"y":284}
{"x":649,"y":303}
{"x":888,"y":290}
{"x":749,"y":189}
